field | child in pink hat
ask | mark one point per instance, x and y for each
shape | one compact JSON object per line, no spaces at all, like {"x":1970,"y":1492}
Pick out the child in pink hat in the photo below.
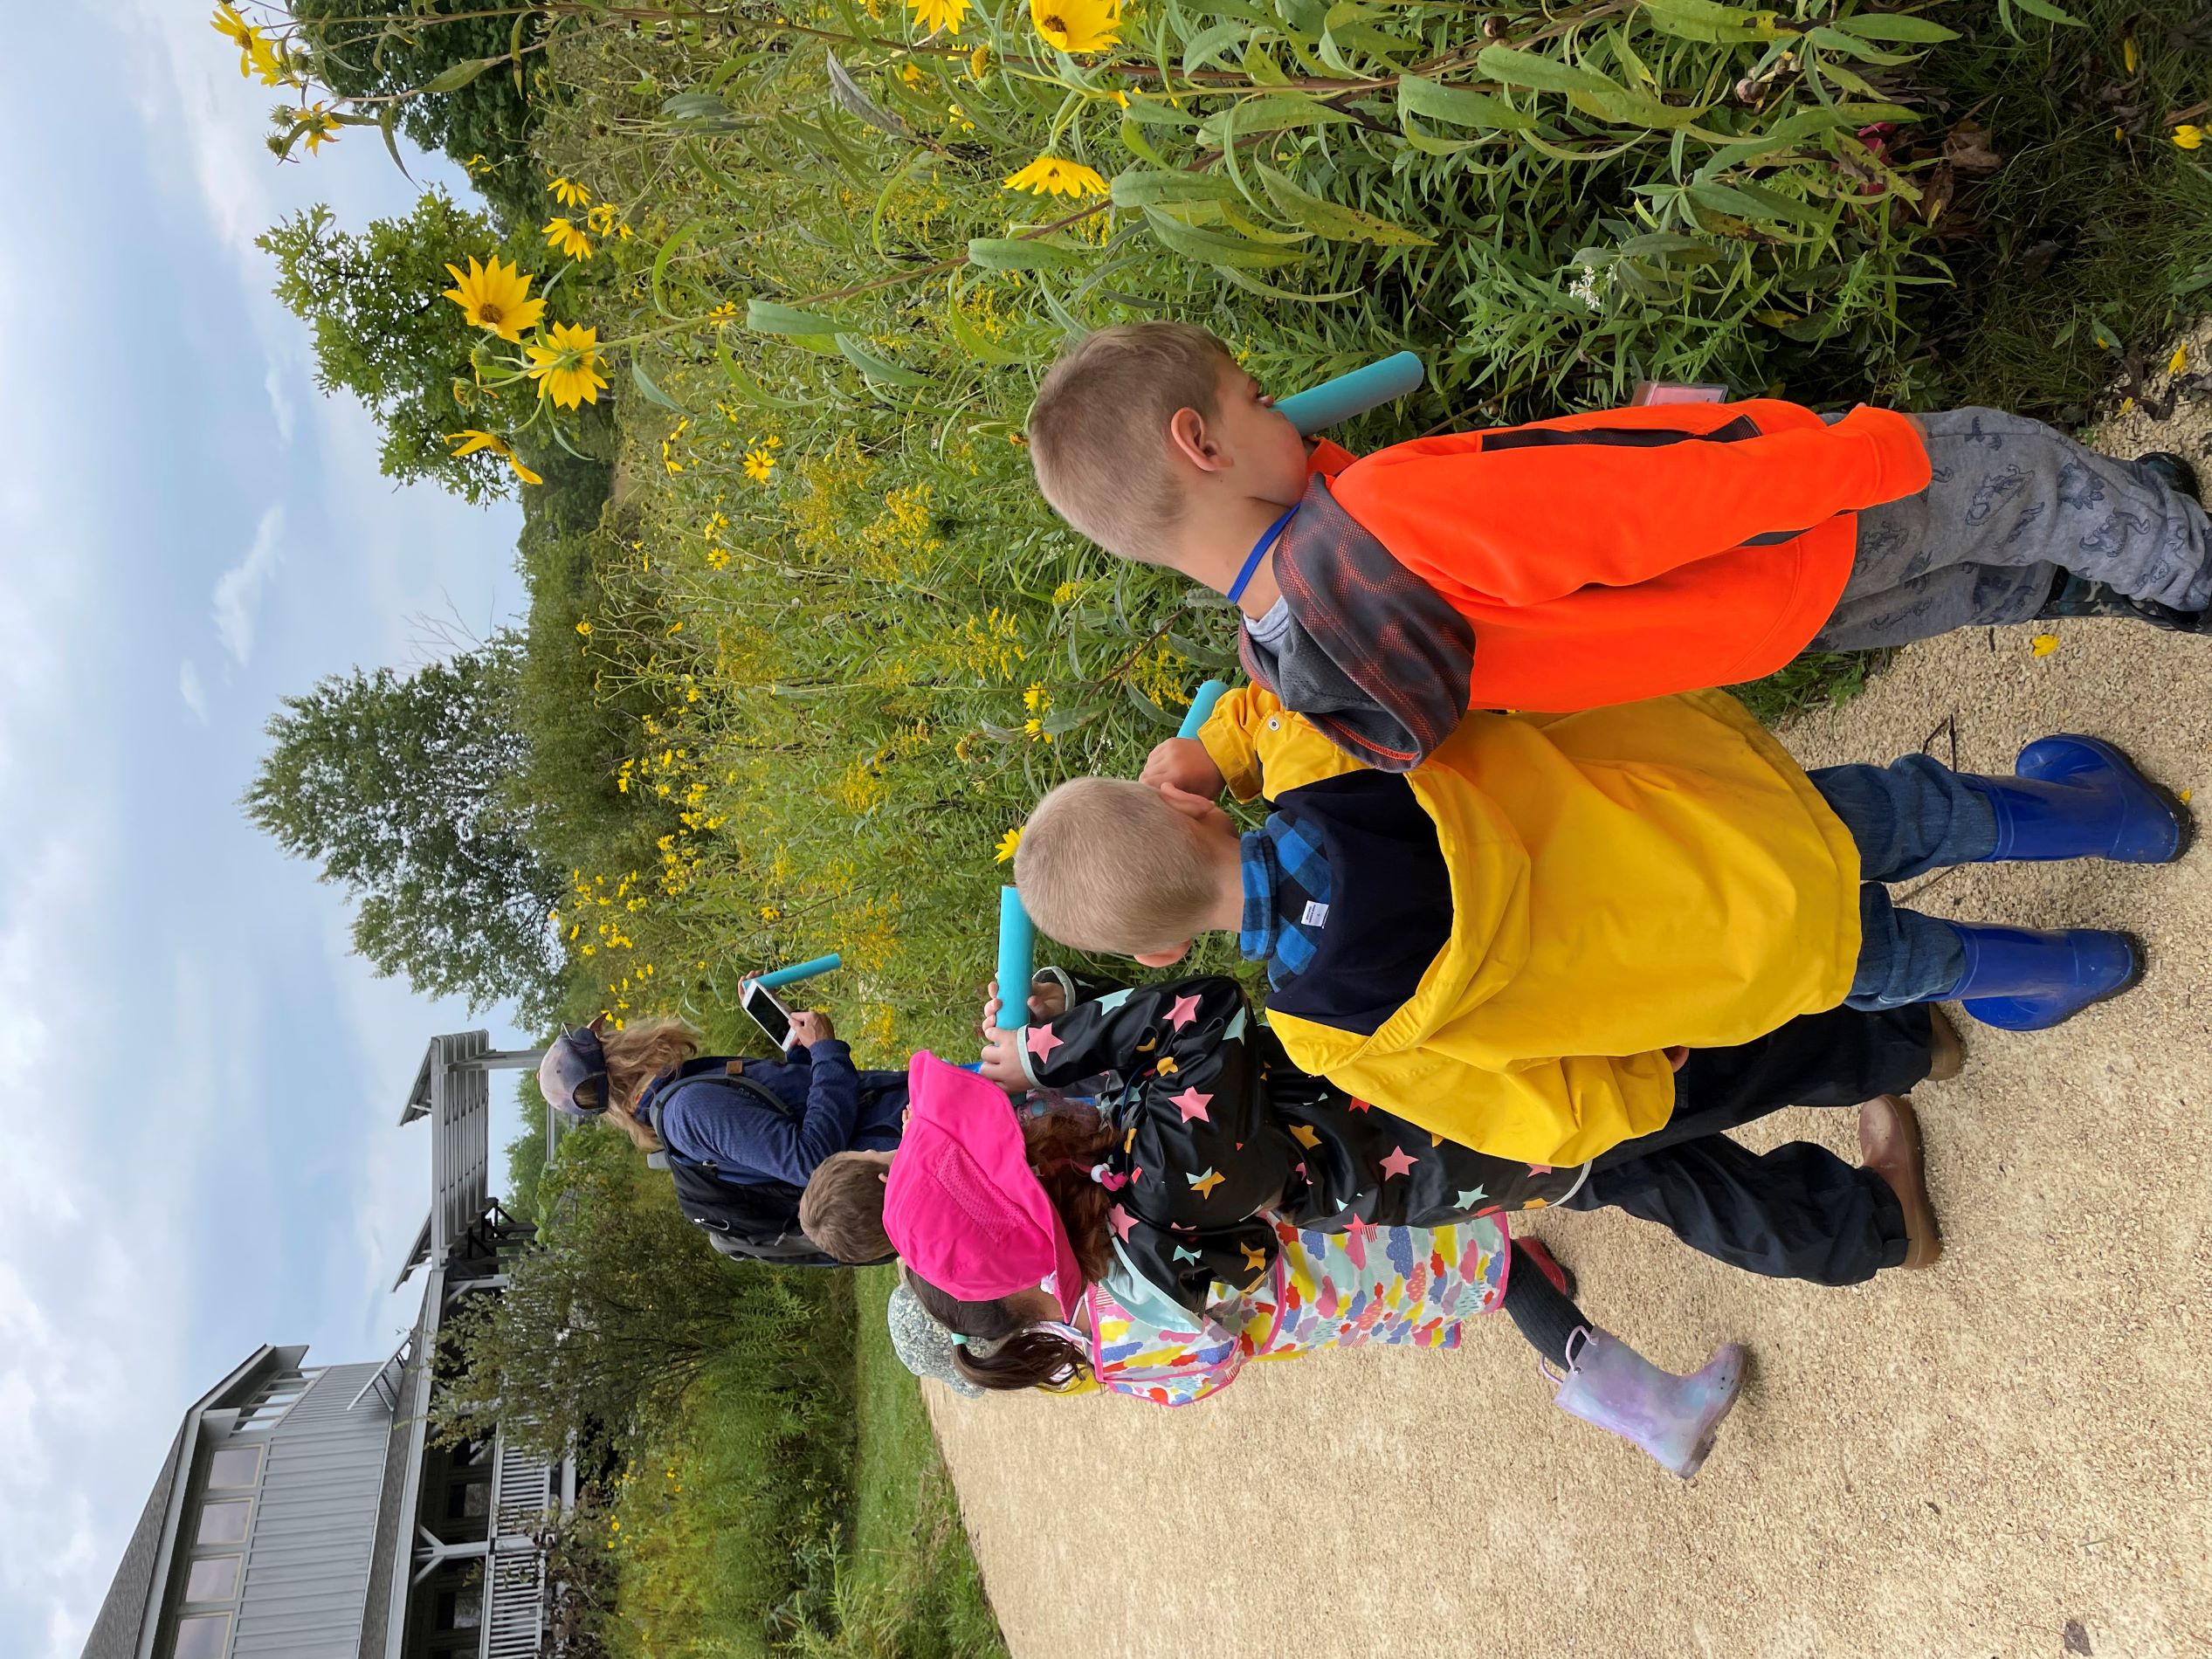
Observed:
{"x":1008,"y":1237}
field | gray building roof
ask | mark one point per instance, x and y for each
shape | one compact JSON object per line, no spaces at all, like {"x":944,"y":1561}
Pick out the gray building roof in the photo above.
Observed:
{"x":135,"y":1589}
{"x":115,"y":1631}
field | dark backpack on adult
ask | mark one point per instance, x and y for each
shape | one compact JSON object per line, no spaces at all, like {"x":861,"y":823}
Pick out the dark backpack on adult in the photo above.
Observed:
{"x":749,"y":1217}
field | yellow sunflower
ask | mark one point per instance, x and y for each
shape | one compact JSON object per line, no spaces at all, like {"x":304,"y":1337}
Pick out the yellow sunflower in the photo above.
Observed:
{"x":1006,"y":843}
{"x":1077,"y":25}
{"x":569,"y":238}
{"x":602,"y":218}
{"x":496,"y":297}
{"x":322,"y":128}
{"x":759,"y":463}
{"x":1050,"y":175}
{"x":934,"y":15}
{"x":468,"y":441}
{"x":240,"y":33}
{"x":570,"y":194}
{"x":568,"y":371}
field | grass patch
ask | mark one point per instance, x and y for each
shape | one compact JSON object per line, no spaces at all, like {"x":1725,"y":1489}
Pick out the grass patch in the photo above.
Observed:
{"x":909,"y":1551}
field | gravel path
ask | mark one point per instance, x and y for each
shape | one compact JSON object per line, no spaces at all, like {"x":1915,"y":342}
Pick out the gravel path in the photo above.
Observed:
{"x":2010,"y":1454}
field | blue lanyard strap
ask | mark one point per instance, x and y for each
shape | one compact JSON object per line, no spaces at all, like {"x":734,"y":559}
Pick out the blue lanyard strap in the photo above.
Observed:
{"x":1260,"y":551}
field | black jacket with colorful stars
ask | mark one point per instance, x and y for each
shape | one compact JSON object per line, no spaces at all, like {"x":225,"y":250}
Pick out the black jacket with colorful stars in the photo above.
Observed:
{"x":1218,"y":1134}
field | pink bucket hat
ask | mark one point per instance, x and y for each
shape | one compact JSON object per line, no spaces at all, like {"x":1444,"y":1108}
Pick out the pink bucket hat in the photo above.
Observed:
{"x":962,"y":1207}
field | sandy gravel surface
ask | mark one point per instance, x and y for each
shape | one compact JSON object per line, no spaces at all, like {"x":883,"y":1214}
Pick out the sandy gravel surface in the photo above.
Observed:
{"x":2010,"y":1454}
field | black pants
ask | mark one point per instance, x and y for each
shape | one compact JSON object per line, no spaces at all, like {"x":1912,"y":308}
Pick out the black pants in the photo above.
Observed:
{"x":1798,"y":1212}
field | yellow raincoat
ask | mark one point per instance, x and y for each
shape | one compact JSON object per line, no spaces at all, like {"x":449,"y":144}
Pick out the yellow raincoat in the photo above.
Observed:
{"x":1623,"y":879}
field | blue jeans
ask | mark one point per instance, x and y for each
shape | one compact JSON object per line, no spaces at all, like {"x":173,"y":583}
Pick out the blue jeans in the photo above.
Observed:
{"x":1908,"y":817}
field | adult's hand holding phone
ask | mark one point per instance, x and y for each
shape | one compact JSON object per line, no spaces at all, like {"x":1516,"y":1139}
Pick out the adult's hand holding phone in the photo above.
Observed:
{"x":810,"y":1026}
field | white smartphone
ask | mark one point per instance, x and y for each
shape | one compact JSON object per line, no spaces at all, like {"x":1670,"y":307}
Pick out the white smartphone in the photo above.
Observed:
{"x":768,"y":1014}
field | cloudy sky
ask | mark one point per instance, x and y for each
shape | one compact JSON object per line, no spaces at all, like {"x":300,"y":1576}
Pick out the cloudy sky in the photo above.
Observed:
{"x":202,"y":1154}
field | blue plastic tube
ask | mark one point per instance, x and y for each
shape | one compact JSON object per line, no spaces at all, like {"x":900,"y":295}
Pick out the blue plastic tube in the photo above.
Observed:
{"x":1017,"y":959}
{"x":799,"y":971}
{"x":1353,"y":394}
{"x":1202,"y":707}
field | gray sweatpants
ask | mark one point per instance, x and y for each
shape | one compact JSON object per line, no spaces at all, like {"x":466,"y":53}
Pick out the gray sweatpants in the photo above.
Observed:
{"x":2012,"y":503}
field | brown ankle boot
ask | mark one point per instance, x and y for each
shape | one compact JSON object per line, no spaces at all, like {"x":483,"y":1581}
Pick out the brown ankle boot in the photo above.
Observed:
{"x":1889,"y":1144}
{"x":1947,"y":1054}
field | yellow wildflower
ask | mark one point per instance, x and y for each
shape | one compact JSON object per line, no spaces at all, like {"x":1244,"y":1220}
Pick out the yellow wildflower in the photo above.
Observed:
{"x":1077,"y":25}
{"x":911,"y":75}
{"x":1050,"y":175}
{"x":602,"y":218}
{"x":584,"y":628}
{"x":567,"y":239}
{"x":477,"y":166}
{"x":759,"y":462}
{"x":568,"y":371}
{"x":2188,"y":136}
{"x":2179,"y":360}
{"x":240,"y":33}
{"x":323,"y":128}
{"x":570,"y":194}
{"x":1036,"y":700}
{"x":495,"y":297}
{"x":979,"y":61}
{"x":726,"y":312}
{"x":467,"y":442}
{"x":934,"y":15}
{"x":2043,"y":644}
{"x":1006,"y":843}
{"x":272,"y":64}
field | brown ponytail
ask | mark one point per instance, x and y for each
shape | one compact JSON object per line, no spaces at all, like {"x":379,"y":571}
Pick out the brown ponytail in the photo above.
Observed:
{"x":1019,"y":1358}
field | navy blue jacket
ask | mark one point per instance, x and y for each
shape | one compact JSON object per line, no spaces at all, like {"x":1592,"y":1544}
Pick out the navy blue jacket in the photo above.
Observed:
{"x":818,"y":1104}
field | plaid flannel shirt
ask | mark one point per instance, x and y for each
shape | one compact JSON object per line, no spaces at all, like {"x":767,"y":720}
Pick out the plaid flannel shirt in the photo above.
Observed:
{"x":1287,"y":898}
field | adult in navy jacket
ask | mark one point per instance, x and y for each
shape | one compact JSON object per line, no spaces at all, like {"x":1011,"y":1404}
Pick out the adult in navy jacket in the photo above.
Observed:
{"x":742,"y":1136}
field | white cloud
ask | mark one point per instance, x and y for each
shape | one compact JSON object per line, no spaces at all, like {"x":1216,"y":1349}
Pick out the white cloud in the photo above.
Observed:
{"x":237,"y":590}
{"x":193,"y":692}
{"x":282,"y":408}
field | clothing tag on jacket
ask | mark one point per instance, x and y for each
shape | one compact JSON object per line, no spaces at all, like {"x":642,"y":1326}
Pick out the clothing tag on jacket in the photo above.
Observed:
{"x":1316,"y":914}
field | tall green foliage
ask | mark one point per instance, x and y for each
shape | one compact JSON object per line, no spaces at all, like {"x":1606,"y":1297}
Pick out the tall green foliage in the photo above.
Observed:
{"x":394,"y":785}
{"x":383,"y":332}
{"x":376,"y":48}
{"x":620,"y":1309}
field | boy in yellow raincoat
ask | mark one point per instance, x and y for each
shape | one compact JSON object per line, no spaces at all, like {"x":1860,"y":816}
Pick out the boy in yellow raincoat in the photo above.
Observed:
{"x":1504,"y":944}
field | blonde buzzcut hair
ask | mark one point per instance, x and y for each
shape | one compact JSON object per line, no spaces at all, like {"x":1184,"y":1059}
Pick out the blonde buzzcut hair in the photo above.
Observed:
{"x":841,"y":1208}
{"x":1098,"y":431}
{"x":1106,"y":864}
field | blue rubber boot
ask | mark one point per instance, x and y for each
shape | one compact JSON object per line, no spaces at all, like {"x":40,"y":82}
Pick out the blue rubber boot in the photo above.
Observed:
{"x":2020,"y":979}
{"x":1673,"y":1418}
{"x":2079,"y":797}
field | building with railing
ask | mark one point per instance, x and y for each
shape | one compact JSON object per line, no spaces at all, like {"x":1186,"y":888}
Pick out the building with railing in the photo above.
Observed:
{"x":302,"y":1512}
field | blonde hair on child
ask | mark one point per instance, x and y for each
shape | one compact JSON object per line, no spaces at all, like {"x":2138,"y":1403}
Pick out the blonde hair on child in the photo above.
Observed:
{"x":842,"y":1208}
{"x":1106,"y":865}
{"x":1098,"y":432}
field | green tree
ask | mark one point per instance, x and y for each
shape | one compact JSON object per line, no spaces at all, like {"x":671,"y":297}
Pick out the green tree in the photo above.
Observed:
{"x":395,"y":786}
{"x":620,"y":1308}
{"x":377,"y":48}
{"x":383,"y":332}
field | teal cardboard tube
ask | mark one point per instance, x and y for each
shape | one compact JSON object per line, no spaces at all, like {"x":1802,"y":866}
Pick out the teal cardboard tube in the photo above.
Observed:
{"x":1353,"y":394}
{"x":1017,"y":959}
{"x":798,"y":971}
{"x":1202,"y":707}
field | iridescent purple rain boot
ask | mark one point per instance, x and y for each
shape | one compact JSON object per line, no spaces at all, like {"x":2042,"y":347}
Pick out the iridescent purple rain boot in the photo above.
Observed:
{"x":1673,"y":1418}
